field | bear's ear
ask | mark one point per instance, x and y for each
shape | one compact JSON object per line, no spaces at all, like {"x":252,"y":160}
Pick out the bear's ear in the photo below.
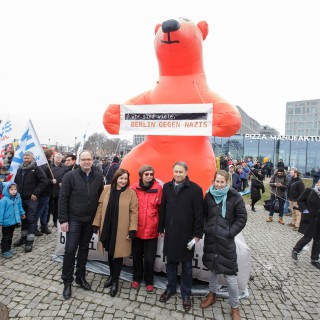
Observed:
{"x":204,"y":28}
{"x":157,"y":28}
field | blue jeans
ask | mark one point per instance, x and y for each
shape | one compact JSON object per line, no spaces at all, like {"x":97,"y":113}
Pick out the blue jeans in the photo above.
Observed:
{"x":42,"y":211}
{"x":186,"y":277}
{"x":77,"y":238}
{"x":29,"y":224}
{"x":272,"y":203}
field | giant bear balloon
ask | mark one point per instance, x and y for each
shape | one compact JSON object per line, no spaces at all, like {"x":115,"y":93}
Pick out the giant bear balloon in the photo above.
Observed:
{"x":182,"y":80}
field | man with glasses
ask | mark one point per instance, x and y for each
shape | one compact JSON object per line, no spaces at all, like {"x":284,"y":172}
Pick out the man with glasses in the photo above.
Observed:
{"x":70,"y":162}
{"x":78,"y":202}
{"x":144,"y":245}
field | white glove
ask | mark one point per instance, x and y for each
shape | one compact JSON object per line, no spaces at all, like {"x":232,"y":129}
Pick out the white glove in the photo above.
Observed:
{"x":191,"y":243}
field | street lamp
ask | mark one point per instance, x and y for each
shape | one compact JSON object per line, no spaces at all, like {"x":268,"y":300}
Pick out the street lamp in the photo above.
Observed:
{"x":75,"y":143}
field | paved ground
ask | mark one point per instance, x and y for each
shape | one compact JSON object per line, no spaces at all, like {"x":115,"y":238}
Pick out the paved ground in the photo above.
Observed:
{"x":30,"y":285}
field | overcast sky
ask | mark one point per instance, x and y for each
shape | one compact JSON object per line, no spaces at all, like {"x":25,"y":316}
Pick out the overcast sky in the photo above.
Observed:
{"x":62,"y":62}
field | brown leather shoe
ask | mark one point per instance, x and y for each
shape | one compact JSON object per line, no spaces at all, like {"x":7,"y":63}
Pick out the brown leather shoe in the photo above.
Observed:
{"x":166,"y":296}
{"x":270,"y":219}
{"x":186,"y":304}
{"x":235,"y":313}
{"x":280,"y":220}
{"x":208,"y":301}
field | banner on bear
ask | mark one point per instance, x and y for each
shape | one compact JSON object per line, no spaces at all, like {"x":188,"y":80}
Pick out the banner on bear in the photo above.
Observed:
{"x":167,"y":119}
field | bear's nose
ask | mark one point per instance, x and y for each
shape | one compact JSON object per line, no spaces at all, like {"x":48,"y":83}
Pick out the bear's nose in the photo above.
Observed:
{"x":170,"y":25}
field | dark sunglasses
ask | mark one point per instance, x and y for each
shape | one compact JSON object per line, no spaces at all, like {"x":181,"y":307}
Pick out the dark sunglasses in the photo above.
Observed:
{"x":149,"y":174}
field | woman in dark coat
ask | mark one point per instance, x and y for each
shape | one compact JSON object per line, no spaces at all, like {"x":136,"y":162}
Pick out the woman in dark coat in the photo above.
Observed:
{"x":309,"y":205}
{"x":256,"y":186}
{"x":225,"y":217}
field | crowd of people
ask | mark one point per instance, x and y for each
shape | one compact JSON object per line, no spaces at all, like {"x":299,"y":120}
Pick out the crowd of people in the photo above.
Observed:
{"x":95,"y":197}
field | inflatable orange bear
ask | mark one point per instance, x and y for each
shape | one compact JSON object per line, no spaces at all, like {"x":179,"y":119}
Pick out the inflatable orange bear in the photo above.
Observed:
{"x":182,"y":80}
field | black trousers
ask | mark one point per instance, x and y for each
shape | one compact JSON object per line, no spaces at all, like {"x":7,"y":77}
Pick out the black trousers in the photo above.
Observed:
{"x":7,"y":235}
{"x":315,"y":251}
{"x":144,"y":254}
{"x":77,"y":238}
{"x":53,"y":209}
{"x":115,"y":265}
{"x":253,"y":202}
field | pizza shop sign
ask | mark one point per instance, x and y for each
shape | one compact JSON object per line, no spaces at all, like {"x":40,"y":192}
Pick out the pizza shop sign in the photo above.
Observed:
{"x":281,"y":137}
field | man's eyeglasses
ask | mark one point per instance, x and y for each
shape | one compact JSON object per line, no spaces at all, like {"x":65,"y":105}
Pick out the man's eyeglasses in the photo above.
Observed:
{"x":149,"y":174}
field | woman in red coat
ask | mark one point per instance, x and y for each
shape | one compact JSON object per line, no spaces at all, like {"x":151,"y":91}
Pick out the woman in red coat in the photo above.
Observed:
{"x":149,"y":193}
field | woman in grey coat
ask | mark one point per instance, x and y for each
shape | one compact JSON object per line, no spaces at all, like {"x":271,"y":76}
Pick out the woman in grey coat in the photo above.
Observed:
{"x":225,"y":217}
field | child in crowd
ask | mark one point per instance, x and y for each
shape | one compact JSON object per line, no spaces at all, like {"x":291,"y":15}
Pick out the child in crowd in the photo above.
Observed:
{"x":11,"y":213}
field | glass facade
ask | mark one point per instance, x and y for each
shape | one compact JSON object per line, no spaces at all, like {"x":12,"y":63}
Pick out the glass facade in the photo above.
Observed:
{"x":296,"y":151}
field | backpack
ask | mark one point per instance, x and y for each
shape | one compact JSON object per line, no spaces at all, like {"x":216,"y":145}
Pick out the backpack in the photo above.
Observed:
{"x":267,"y":205}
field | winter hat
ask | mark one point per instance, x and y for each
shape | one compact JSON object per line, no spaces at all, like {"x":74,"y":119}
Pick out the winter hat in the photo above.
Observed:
{"x":29,"y":153}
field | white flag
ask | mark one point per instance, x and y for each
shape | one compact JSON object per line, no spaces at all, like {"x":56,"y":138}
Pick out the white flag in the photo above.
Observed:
{"x":83,"y":140}
{"x":28,"y":142}
{"x":5,"y":137}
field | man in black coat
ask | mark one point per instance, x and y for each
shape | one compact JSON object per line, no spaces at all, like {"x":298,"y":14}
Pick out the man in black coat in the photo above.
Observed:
{"x":181,"y":224}
{"x":31,"y":181}
{"x":78,"y":202}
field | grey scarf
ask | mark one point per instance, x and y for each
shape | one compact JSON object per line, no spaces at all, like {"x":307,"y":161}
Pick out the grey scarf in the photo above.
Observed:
{"x":28,"y":166}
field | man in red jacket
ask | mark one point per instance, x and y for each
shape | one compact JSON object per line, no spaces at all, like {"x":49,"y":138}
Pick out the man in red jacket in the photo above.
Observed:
{"x":149,"y":193}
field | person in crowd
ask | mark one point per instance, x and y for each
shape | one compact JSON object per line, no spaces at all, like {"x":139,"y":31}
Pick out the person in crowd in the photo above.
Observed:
{"x":58,"y":170}
{"x":263,"y":171}
{"x":286,"y":206}
{"x":225,"y":217}
{"x":4,"y":169}
{"x":269,"y":168}
{"x":278,"y":184}
{"x":295,"y":189}
{"x":256,"y":186}
{"x":280,"y":164}
{"x":97,"y":164}
{"x":144,"y":245}
{"x":43,"y":201}
{"x":11,"y":213}
{"x":116,"y":221}
{"x":316,"y":177}
{"x":31,"y":181}
{"x":234,"y":178}
{"x":309,"y":205}
{"x":111,"y":169}
{"x":181,"y":225}
{"x":105,"y":162}
{"x":224,"y":162}
{"x":78,"y":202}
{"x":70,"y":162}
{"x":244,"y":176}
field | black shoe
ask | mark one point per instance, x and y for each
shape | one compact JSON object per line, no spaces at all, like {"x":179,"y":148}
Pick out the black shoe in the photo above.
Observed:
{"x":108,"y":282}
{"x":67,"y":291}
{"x":20,"y":242}
{"x":166,"y":296}
{"x":55,"y":224}
{"x":114,"y":289}
{"x":294,"y":255}
{"x":253,"y":209}
{"x":186,"y":304}
{"x":46,"y":231}
{"x":82,"y":282}
{"x":28,"y":246}
{"x":316,"y":264}
{"x":38,"y":233}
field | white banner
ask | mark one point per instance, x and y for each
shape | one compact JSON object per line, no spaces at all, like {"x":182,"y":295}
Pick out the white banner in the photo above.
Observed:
{"x":28,"y":142}
{"x":199,"y":270}
{"x":167,"y":119}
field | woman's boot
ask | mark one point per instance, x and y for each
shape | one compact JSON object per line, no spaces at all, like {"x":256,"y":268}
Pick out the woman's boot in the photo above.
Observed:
{"x":114,"y":289}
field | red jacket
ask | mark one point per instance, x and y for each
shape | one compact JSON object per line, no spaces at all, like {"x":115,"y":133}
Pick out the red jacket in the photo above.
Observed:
{"x":148,"y":212}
